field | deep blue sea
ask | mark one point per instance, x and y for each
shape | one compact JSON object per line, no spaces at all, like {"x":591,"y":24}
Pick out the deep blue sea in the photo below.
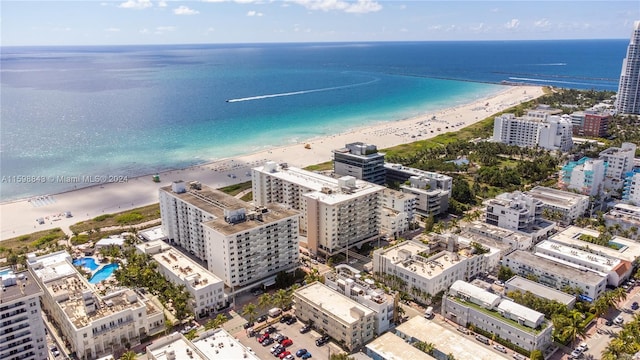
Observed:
{"x":136,"y":110}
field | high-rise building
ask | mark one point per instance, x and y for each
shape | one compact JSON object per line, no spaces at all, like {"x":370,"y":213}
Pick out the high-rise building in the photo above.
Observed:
{"x":628,"y":101}
{"x":23,"y":332}
{"x":360,"y":160}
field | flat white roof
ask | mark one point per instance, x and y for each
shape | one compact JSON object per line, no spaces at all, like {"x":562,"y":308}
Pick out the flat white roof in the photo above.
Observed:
{"x":153,"y":233}
{"x":392,"y":347}
{"x":52,"y":266}
{"x":219,"y":344}
{"x":520,"y":311}
{"x":114,"y":240}
{"x":482,"y":295}
{"x":446,"y":341}
{"x":598,"y":263}
{"x":559,"y":198}
{"x":629,"y":251}
{"x":540,"y":290}
{"x":177,"y":346}
{"x":331,"y":301}
{"x":427,"y":268}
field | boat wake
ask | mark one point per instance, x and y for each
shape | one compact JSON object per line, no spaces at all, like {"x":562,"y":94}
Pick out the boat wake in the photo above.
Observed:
{"x":550,"y":81}
{"x":258,"y":97}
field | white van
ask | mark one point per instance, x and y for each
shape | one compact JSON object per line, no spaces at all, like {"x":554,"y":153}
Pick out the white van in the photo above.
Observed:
{"x":429,"y":312}
{"x":275,"y":312}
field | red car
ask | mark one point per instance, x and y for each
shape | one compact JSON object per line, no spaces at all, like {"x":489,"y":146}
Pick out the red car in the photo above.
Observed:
{"x":284,"y":354}
{"x":263,"y":337}
{"x":286,"y":342}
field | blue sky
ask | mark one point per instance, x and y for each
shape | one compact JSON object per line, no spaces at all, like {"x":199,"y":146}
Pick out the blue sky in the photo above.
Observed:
{"x":94,"y":22}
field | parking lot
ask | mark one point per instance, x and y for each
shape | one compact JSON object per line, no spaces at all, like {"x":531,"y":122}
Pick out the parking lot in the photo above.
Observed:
{"x":300,"y":341}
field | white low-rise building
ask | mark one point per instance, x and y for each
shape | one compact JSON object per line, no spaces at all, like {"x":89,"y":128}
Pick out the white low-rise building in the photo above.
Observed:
{"x":569,"y":205}
{"x":627,"y":216}
{"x":432,"y":190}
{"x":91,"y":324}
{"x":585,"y":176}
{"x":206,"y":289}
{"x":336,"y":315}
{"x":391,"y":347}
{"x":482,"y":232}
{"x":467,"y":304}
{"x":555,"y":274}
{"x":519,"y":212}
{"x":397,"y":212}
{"x":620,"y":162}
{"x":518,"y":283}
{"x":215,"y":344}
{"x":347,"y":281}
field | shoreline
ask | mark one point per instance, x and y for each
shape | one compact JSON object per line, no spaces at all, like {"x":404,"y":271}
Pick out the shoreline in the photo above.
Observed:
{"x":88,"y":202}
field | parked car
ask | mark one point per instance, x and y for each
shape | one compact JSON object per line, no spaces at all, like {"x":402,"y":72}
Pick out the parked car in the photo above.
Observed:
{"x":634,"y":306}
{"x":500,"y":348}
{"x":618,"y":320}
{"x":307,"y":355}
{"x":608,"y":322}
{"x":263,"y":337}
{"x":301,"y":352}
{"x":286,"y":342}
{"x":483,"y":339}
{"x":248,"y":325}
{"x":262,"y":318}
{"x":275,"y":347}
{"x":279,"y":351}
{"x":583,"y":347}
{"x":268,"y":341}
{"x":285,"y":318}
{"x":576,"y":354}
{"x":292,"y":320}
{"x":284,"y":354}
{"x":270,"y":330}
{"x":281,"y":339}
{"x":323,"y":340}
{"x":289,"y":357}
{"x":305,"y":329}
{"x":519,"y":356}
{"x":463,"y":330}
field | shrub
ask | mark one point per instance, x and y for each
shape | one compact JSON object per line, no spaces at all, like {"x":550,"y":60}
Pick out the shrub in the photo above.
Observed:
{"x":128,"y":218}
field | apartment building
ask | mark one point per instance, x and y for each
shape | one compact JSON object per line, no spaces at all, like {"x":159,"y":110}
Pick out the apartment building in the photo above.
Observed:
{"x":519,"y":212}
{"x":347,"y":281}
{"x":518,"y":283}
{"x":585,"y":176}
{"x":555,"y":274}
{"x":22,"y":331}
{"x":391,"y":347}
{"x":628,"y":101}
{"x":335,"y":214}
{"x":631,"y":186}
{"x":569,"y":205}
{"x":396,"y":212}
{"x":536,"y":129}
{"x":422,"y":271}
{"x":591,"y":122}
{"x":493,"y":236}
{"x":336,"y":315}
{"x":214,"y":344}
{"x":627,"y":216}
{"x":242,"y":245}
{"x":431,"y":189}
{"x":92,"y":325}
{"x":206,"y":289}
{"x":467,"y":304}
{"x":360,"y":160}
{"x":620,"y":162}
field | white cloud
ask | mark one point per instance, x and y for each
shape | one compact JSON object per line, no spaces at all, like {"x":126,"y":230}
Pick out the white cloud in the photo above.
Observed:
{"x":183,"y":10}
{"x":112,"y":29}
{"x":435,"y":27}
{"x":494,"y":10}
{"x":478,"y":28}
{"x":164,"y":29}
{"x":512,"y":24}
{"x":136,"y":4}
{"x":254,"y":13}
{"x":542,"y":23}
{"x":162,"y":3}
{"x":404,"y":30}
{"x":359,"y":7}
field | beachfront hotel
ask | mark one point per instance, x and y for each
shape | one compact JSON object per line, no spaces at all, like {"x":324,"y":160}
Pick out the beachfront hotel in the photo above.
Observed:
{"x":206,"y":289}
{"x":535,"y":129}
{"x":22,"y":331}
{"x":467,"y":304}
{"x":335,"y":214}
{"x":360,"y":160}
{"x":432,"y":190}
{"x":90,"y":324}
{"x":334,"y":314}
{"x":628,"y":100}
{"x":241,"y":244}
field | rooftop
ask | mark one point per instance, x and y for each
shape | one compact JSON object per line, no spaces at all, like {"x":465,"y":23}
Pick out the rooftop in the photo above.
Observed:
{"x":495,"y":232}
{"x":520,"y":311}
{"x":182,"y":266}
{"x":579,"y":258}
{"x":391,"y":347}
{"x":332,"y":302}
{"x":17,"y":285}
{"x":411,"y":256}
{"x":627,"y":249}
{"x":524,"y":285}
{"x":219,"y":344}
{"x":558,"y":198}
{"x":446,"y":341}
{"x":474,"y":292}
{"x":172,"y":347}
{"x":624,"y":212}
{"x":154,"y":233}
{"x":552,"y":267}
{"x":417,"y":172}
{"x":219,"y":204}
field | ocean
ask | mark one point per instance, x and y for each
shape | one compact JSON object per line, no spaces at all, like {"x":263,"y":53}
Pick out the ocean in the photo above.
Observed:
{"x":134,"y":110}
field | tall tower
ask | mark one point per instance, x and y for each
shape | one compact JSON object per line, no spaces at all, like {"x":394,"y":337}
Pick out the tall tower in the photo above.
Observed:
{"x":629,"y":89}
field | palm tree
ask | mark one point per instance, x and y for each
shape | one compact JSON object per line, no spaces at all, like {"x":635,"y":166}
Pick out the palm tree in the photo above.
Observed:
{"x":129,"y":355}
{"x":570,"y":327}
{"x":282,"y":298}
{"x":250,"y":311}
{"x":264,"y":301}
{"x":219,"y":320}
{"x":620,"y":294}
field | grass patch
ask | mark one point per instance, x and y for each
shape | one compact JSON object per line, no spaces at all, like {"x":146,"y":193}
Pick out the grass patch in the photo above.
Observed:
{"x":25,"y":244}
{"x":129,"y":217}
{"x":236,"y":189}
{"x":247,"y":197}
{"x":80,"y":239}
{"x":320,"y":167}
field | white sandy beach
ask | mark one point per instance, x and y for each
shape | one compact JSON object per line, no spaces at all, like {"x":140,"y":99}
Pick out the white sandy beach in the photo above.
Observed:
{"x":19,"y":217}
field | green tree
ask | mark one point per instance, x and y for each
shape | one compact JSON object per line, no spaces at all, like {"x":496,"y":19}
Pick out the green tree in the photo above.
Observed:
{"x":536,"y":355}
{"x":341,"y":356}
{"x":264,"y":301}
{"x":129,"y":355}
{"x":505,"y":273}
{"x":250,"y":311}
{"x":282,"y":298}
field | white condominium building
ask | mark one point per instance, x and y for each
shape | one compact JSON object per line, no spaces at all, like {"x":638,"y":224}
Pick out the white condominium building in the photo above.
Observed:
{"x":346,"y":281}
{"x":556,"y":274}
{"x":547,"y":132}
{"x":242,"y":245}
{"x":483,"y":232}
{"x":523,"y":285}
{"x":206,"y":289}
{"x":628,"y":101}
{"x":92,"y":325}
{"x":431,"y":189}
{"x":397,"y":212}
{"x":631,"y":187}
{"x":569,"y":205}
{"x":585,"y":176}
{"x":619,"y":163}
{"x":413,"y":268}
{"x":519,"y":212}
{"x":22,"y":331}
{"x":334,"y":213}
{"x":627,"y":217}
{"x":504,"y":318}
{"x":334,"y":314}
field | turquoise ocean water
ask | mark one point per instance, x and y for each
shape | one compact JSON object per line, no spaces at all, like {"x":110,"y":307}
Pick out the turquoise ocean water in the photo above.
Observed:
{"x":136,"y":110}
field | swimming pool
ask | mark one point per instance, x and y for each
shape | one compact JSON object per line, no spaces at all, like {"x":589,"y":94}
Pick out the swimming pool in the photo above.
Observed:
{"x":103,"y":273}
{"x":87,"y":262}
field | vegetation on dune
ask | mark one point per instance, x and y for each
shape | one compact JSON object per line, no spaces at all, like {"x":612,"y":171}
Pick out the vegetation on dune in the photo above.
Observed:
{"x":128,"y":218}
{"x":14,"y":250}
{"x":236,"y":189}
